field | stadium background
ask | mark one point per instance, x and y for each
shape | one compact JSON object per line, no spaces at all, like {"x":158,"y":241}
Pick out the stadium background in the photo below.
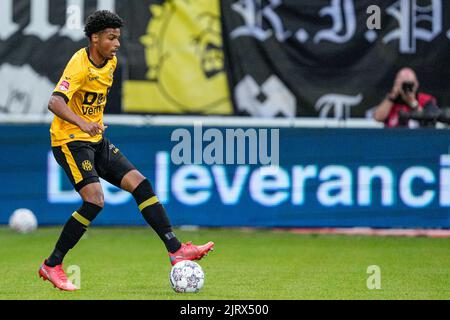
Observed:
{"x":288,"y":64}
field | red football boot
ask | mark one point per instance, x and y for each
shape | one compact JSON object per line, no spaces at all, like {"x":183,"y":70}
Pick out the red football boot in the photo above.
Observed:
{"x":57,"y":276}
{"x":189,"y":251}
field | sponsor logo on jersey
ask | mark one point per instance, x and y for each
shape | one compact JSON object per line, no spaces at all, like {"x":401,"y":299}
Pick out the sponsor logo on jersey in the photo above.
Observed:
{"x":64,"y":86}
{"x":92,"y":77}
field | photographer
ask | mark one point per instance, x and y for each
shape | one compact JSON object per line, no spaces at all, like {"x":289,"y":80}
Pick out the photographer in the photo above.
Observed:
{"x":404,"y":98}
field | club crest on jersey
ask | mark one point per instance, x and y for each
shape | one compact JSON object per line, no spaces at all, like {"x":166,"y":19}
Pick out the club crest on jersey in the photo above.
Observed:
{"x":64,"y":86}
{"x":86,"y":165}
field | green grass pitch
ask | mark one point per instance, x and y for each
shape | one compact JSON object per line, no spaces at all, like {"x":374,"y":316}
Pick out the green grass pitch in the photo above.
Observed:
{"x":131,"y":263}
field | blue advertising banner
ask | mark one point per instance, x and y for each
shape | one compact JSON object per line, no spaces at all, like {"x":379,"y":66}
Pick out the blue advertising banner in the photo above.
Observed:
{"x":316,"y":178}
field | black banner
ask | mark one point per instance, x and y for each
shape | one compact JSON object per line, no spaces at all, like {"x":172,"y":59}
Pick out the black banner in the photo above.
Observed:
{"x":332,"y":58}
{"x":327,"y":58}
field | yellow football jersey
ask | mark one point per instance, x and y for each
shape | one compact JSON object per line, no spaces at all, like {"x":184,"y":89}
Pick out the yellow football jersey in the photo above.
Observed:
{"x":84,"y":86}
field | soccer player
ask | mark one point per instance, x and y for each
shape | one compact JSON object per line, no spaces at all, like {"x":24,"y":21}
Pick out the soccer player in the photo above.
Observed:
{"x":85,"y":154}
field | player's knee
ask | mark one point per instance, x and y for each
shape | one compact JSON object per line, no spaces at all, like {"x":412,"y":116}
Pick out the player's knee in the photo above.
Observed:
{"x":96,"y":198}
{"x":132,"y":180}
{"x":93,"y":193}
{"x":99,"y":201}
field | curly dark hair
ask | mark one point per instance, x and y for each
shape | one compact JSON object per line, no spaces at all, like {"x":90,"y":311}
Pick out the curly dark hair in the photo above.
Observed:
{"x":101,"y":20}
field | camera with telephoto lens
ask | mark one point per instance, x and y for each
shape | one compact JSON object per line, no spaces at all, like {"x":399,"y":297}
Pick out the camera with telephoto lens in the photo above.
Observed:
{"x":408,"y":87}
{"x":428,"y":117}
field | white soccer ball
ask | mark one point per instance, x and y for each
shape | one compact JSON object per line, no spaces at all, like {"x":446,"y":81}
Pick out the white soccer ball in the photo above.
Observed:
{"x":187,"y":276}
{"x":23,"y":221}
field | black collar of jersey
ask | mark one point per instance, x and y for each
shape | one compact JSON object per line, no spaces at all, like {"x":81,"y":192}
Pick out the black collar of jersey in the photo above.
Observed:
{"x":93,"y":63}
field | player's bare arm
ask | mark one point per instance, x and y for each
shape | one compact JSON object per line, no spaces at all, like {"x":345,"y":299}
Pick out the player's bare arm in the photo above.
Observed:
{"x":58,"y":106}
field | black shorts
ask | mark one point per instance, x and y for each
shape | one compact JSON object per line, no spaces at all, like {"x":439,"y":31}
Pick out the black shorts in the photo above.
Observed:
{"x":85,"y":162}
